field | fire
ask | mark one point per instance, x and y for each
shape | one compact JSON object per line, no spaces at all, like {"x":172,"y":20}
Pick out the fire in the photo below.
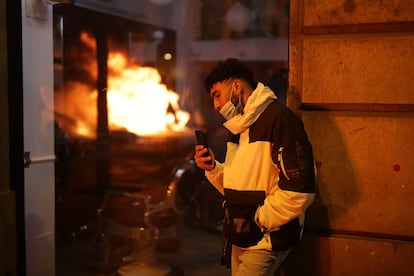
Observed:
{"x":137,"y":100}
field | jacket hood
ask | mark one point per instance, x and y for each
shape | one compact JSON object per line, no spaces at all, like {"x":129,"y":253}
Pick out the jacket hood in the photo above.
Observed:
{"x":257,"y":102}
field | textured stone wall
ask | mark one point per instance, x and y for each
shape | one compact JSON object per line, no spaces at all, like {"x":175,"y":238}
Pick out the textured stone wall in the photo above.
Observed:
{"x":351,"y":80}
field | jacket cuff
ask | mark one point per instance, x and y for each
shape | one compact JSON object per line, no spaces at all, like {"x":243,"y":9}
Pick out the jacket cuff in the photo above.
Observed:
{"x":215,"y":169}
{"x":256,"y":220}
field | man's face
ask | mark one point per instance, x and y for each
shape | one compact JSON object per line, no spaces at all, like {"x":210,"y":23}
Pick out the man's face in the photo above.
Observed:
{"x":220,"y":93}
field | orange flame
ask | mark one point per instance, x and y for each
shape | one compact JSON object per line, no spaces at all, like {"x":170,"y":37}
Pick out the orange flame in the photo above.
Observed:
{"x":137,"y":100}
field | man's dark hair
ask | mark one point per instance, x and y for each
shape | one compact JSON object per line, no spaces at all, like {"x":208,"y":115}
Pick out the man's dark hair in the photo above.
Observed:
{"x":229,"y":68}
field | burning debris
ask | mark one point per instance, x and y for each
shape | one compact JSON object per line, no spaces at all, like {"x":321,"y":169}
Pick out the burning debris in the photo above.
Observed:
{"x":137,"y":100}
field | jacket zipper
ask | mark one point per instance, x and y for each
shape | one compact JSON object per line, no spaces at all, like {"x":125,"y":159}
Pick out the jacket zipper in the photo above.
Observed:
{"x":282,"y":165}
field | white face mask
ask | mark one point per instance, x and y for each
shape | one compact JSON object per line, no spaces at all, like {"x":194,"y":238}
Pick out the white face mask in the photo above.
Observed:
{"x":229,"y":110}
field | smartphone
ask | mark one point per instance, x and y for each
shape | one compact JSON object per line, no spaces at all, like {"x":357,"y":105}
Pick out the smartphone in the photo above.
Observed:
{"x":202,"y":140}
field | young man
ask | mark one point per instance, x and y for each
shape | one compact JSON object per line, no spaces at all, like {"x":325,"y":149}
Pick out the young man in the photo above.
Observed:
{"x":267,"y":178}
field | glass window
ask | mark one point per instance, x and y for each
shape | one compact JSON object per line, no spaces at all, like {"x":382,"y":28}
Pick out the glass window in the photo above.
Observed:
{"x":128,"y":96}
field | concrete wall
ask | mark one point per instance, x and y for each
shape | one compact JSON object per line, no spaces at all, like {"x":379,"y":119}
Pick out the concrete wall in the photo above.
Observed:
{"x":351,"y":65}
{"x":7,"y":197}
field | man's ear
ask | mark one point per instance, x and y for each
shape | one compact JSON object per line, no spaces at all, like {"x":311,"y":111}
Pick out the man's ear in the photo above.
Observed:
{"x":237,"y":87}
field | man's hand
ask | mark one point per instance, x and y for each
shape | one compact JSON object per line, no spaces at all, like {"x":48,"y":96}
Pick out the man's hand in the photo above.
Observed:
{"x":204,"y":158}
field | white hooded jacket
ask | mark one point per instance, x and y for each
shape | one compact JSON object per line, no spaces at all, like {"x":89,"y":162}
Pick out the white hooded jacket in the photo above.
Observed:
{"x":269,"y":151}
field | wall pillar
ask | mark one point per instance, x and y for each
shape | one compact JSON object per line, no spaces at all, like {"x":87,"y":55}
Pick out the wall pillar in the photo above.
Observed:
{"x":350,"y":79}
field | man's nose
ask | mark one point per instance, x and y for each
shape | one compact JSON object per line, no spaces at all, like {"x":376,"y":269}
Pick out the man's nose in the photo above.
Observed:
{"x":217,"y":106}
